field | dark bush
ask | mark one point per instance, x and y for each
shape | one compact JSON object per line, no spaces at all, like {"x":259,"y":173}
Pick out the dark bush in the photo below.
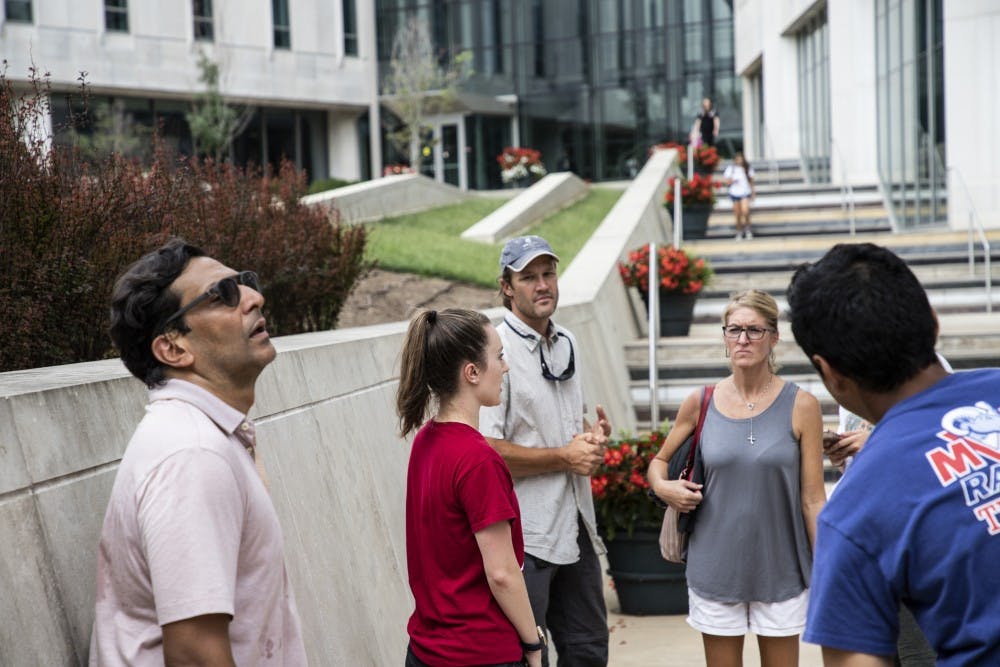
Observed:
{"x":69,"y":226}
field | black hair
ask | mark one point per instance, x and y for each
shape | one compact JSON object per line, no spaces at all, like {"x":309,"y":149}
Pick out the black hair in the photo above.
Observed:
{"x":437,"y":344}
{"x":861,"y":308}
{"x":142,"y":301}
{"x":505,"y":277}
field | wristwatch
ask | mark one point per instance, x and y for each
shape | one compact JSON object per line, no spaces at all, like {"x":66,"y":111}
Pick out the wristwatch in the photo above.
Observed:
{"x":537,"y":646}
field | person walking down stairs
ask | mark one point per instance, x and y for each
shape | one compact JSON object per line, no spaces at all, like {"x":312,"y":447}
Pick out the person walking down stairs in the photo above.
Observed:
{"x":739,"y":177}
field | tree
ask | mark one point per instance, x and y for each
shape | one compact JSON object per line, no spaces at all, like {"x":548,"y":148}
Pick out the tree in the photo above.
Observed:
{"x":113,"y":130}
{"x":214,"y":124}
{"x":419,"y":85}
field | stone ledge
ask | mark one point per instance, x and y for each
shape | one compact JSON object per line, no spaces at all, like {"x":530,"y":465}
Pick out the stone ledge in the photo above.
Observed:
{"x":385,"y":197}
{"x":552,"y":193}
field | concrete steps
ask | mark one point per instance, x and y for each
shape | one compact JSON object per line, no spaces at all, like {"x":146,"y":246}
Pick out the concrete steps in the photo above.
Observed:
{"x":967,"y":340}
{"x":784,"y":239}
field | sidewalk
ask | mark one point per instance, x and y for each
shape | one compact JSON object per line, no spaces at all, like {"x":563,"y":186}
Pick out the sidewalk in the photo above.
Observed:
{"x":668,"y":641}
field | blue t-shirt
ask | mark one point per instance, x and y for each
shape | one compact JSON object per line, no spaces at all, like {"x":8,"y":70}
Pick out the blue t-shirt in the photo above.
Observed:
{"x":916,"y":520}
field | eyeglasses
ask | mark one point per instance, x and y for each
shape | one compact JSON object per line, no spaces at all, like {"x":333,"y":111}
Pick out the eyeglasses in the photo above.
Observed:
{"x":753,"y":333}
{"x":546,"y":373}
{"x":226,"y":290}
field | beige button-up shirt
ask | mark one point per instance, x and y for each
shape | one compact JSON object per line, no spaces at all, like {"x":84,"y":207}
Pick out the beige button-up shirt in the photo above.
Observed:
{"x":537,"y":412}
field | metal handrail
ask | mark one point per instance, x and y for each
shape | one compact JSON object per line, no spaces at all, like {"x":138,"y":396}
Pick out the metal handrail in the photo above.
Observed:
{"x":846,"y":189}
{"x":974,"y":221}
{"x":654,"y":336}
{"x":772,"y":162}
{"x":887,"y":202}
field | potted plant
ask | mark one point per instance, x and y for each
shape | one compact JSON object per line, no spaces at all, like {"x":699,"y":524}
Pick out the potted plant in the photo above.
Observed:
{"x":697,"y":198}
{"x":630,"y":524}
{"x":520,"y":165}
{"x":681,"y":277}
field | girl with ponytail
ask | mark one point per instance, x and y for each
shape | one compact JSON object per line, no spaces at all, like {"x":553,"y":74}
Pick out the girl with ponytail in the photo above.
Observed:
{"x":464,"y":548}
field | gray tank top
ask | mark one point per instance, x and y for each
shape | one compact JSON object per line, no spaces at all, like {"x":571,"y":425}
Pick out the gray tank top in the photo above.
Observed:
{"x":750,"y":541}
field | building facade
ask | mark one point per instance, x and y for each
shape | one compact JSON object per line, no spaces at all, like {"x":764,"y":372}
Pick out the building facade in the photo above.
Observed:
{"x":592,"y":84}
{"x":304,"y":71}
{"x":895,"y":92}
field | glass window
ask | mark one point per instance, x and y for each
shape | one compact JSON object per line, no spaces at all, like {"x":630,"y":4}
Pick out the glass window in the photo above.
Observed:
{"x":539,"y":21}
{"x":18,"y":10}
{"x":282,"y":24}
{"x":350,"y":28}
{"x":116,"y":15}
{"x":202,"y":11}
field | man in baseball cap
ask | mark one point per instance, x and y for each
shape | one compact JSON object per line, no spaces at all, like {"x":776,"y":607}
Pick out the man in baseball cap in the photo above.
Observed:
{"x":540,"y":430}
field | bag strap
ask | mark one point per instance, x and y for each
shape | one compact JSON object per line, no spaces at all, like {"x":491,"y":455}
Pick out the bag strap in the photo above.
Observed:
{"x":706,"y":397}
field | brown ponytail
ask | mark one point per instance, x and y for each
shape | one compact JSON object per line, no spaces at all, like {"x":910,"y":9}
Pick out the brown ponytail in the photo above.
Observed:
{"x":437,"y":344}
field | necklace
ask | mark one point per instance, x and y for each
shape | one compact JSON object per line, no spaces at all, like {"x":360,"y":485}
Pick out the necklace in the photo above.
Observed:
{"x":752,"y":404}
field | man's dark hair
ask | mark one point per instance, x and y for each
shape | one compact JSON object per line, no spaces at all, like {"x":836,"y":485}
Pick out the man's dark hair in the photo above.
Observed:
{"x":141,"y":303}
{"x":505,"y":277}
{"x":861,"y":308}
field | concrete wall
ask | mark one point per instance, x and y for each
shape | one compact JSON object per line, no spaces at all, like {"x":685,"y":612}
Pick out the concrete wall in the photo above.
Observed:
{"x":327,"y":435}
{"x":550,"y":194}
{"x":853,"y":109}
{"x":972,"y":104}
{"x":766,"y":30}
{"x":158,"y":55}
{"x":157,"y":58}
{"x":758,"y":27}
{"x":386,"y":197}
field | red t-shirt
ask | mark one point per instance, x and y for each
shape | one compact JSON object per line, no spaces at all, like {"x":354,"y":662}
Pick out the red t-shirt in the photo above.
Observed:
{"x":457,"y":485}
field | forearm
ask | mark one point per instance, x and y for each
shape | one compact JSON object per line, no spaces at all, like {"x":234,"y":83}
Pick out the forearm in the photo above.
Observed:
{"x":527,"y":461}
{"x":202,"y":641}
{"x":656,"y":472}
{"x":810,"y":512}
{"x":511,"y":594}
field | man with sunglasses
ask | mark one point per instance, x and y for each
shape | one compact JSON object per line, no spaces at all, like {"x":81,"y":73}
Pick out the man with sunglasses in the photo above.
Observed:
{"x":191,"y":565}
{"x":540,"y":430}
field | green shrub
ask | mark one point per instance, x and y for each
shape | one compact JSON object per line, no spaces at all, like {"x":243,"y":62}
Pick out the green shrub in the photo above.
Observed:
{"x":69,"y":227}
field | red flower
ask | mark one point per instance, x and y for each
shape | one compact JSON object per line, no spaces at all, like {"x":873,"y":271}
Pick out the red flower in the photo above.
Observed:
{"x":678,"y":272}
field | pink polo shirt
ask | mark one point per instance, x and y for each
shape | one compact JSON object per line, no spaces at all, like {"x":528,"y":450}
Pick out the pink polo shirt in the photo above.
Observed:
{"x":191,"y":530}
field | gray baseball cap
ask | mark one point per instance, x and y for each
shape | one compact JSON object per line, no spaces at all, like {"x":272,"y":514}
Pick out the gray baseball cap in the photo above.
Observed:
{"x":518,"y":252}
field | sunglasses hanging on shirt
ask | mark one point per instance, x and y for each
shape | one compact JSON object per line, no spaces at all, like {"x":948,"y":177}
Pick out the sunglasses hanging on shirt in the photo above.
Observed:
{"x":546,"y":372}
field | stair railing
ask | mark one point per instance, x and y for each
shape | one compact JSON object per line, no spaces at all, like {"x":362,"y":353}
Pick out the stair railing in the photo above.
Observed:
{"x":975,"y":224}
{"x":846,"y":189}
{"x":888,"y":203}
{"x":772,"y":162}
{"x":654,"y":333}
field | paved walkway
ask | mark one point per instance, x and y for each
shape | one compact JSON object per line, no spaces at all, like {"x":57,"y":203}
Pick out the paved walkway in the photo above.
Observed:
{"x":668,"y":641}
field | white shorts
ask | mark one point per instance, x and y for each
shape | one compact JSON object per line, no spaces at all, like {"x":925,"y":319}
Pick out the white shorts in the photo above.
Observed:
{"x":731,"y":619}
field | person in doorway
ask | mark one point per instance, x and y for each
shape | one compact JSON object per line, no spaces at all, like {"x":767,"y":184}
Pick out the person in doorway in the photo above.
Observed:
{"x":739,"y":177}
{"x":706,"y":124}
{"x":191,"y":565}
{"x":540,"y":430}
{"x":914,"y":521}
{"x":750,"y":555}
{"x":464,"y":549}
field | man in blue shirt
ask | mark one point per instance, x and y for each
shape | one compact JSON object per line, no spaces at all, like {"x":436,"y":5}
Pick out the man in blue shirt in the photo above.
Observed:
{"x":917,"y":520}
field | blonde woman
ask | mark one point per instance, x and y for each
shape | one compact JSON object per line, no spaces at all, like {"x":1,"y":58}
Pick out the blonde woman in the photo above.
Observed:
{"x":750,"y":555}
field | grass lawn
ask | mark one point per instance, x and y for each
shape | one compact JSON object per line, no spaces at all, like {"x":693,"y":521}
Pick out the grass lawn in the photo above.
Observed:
{"x":429,"y":243}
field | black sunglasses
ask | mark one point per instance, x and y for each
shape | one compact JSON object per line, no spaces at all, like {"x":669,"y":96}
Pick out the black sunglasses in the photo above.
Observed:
{"x":226,"y":290}
{"x":570,"y":367}
{"x":546,"y":373}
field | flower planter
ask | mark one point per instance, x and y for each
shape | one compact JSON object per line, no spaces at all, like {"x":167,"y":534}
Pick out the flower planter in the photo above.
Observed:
{"x":645,"y":583}
{"x":695,"y":220}
{"x":676,"y":311}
